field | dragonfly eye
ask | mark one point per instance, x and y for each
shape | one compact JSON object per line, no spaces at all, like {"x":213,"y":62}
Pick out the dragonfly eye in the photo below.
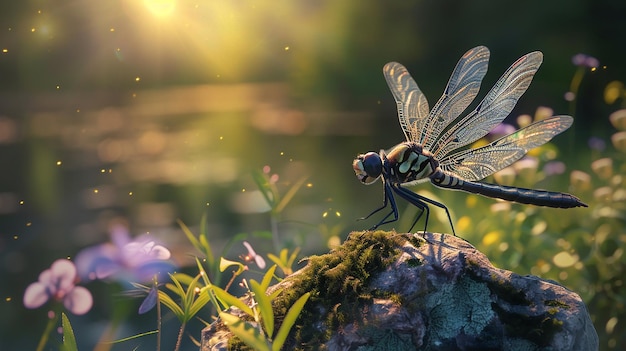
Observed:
{"x":368,"y":167}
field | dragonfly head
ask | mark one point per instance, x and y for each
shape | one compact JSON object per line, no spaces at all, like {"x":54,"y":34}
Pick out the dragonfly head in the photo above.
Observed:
{"x":368,"y":167}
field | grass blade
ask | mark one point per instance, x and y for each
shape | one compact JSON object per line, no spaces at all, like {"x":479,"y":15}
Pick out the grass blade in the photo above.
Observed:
{"x":69,"y":341}
{"x":290,"y":319}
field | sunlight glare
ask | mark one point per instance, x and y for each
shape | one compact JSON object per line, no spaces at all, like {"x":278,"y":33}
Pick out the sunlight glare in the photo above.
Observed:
{"x":160,"y":8}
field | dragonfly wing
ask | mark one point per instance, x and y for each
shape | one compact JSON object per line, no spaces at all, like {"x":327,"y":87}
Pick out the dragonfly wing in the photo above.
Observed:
{"x":460,"y":91}
{"x":476,"y":164}
{"x":496,"y":105}
{"x":411,"y":102}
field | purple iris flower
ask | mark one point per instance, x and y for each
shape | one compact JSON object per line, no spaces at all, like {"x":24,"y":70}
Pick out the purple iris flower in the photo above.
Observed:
{"x":58,"y":283}
{"x":125,"y":259}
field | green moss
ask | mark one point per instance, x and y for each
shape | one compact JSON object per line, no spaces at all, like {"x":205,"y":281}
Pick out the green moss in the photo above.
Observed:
{"x":552,"y":311}
{"x":414,"y":262}
{"x":557,"y":303}
{"x":385,"y":295}
{"x":416,"y":240}
{"x":337,"y":282}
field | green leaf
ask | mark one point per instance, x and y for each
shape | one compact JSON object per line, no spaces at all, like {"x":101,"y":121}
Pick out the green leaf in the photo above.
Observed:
{"x":245,"y":331}
{"x":267,"y":278}
{"x":289,"y":195}
{"x":275,"y":259}
{"x":265,"y":306}
{"x":176,"y":288}
{"x":182,"y":278}
{"x":206,"y":249}
{"x":190,"y":298}
{"x":288,"y":322}
{"x":202,"y":299}
{"x":230,"y":300}
{"x":166,"y":300}
{"x":192,"y":238}
{"x":263,"y":184}
{"x":224,"y":263}
{"x":69,"y":341}
{"x":132,"y":337}
{"x":293,"y":256}
{"x":205,"y":276}
{"x":204,"y":241}
{"x":275,"y":294}
{"x":283,"y":262}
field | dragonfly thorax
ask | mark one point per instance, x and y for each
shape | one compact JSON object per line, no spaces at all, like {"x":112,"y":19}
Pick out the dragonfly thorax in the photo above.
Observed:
{"x":368,"y":167}
{"x":408,"y":162}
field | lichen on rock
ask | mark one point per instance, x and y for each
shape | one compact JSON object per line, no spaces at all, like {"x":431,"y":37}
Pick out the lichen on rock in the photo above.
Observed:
{"x":384,"y":290}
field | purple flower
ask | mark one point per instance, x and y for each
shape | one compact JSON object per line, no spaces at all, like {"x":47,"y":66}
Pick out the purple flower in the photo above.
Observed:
{"x":253,"y":256}
{"x":150,"y":301}
{"x":583,"y":60}
{"x":124,"y":259}
{"x":57,"y":283}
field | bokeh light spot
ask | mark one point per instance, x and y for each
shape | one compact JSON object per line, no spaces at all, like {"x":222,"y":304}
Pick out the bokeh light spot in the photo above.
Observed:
{"x":564,"y":259}
{"x":491,"y":238}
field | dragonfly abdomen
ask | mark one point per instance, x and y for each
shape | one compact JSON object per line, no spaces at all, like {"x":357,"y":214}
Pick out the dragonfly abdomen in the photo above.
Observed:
{"x":509,"y":193}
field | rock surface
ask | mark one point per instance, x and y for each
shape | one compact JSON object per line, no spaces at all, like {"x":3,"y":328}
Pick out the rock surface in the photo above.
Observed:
{"x":425,"y":291}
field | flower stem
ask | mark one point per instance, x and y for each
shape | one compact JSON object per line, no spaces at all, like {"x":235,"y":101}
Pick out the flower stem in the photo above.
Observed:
{"x":180,"y":336}
{"x":49,"y":327}
{"x":158,"y":306}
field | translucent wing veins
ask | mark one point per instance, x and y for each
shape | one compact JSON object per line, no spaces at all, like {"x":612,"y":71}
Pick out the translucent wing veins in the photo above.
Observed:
{"x":476,"y":164}
{"x":411,"y":102}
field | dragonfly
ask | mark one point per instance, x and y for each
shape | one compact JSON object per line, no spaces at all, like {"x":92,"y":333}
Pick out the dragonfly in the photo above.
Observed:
{"x":436,"y":148}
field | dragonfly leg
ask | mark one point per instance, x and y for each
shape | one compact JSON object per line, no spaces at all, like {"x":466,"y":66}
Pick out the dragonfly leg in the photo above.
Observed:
{"x":387,"y":199}
{"x":418,"y":200}
{"x":421,"y":205}
{"x":385,"y":196}
{"x":422,"y":210}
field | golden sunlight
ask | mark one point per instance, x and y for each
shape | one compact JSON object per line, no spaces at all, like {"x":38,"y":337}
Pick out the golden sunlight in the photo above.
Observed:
{"x":160,"y":8}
